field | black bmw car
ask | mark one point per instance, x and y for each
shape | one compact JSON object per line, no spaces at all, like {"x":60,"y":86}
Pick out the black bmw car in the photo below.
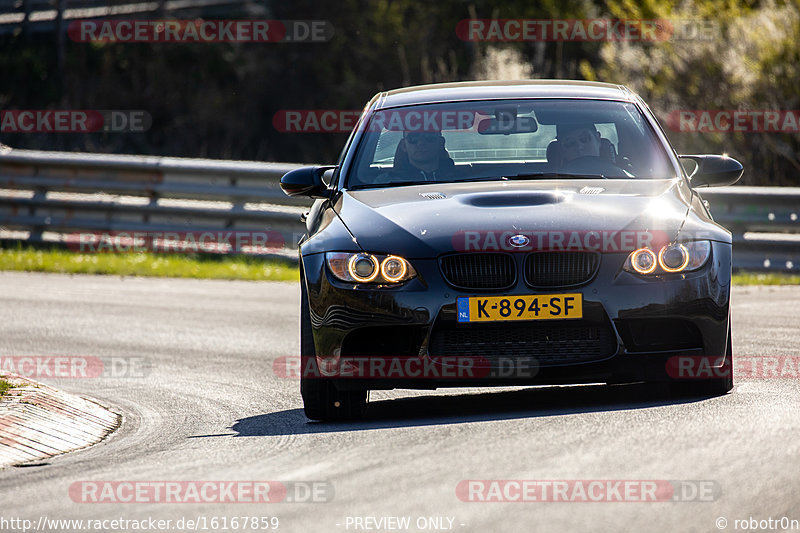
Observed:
{"x":510,"y":233}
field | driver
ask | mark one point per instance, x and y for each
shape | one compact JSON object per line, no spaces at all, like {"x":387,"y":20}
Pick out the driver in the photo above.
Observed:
{"x":421,"y":156}
{"x":578,"y":140}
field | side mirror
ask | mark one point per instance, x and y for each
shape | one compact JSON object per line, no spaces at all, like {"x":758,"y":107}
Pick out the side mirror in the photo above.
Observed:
{"x":714,"y":170}
{"x":306,"y":181}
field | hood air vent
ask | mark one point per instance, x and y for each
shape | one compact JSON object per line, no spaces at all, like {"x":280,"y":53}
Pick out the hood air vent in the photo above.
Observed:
{"x":433,"y":195}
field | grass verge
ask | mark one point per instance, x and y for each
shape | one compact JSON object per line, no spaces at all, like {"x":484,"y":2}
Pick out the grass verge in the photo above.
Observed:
{"x":204,"y":266}
{"x":761,"y":278}
{"x":208,"y":266}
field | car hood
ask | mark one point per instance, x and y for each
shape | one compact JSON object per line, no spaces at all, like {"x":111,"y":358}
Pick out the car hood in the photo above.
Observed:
{"x":427,"y":220}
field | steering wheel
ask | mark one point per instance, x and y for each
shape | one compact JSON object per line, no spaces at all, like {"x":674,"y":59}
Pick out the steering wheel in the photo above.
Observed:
{"x":589,"y":164}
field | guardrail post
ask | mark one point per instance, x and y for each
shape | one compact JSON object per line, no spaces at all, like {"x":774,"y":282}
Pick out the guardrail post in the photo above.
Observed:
{"x":238,"y":204}
{"x":61,"y":37}
{"x":26,"y":32}
{"x":39,"y":193}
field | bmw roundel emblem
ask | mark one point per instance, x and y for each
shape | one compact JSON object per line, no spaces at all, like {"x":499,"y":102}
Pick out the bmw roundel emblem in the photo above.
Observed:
{"x":518,"y":241}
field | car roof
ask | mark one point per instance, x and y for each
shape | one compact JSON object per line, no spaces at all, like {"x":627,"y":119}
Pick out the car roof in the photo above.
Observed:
{"x":493,"y":90}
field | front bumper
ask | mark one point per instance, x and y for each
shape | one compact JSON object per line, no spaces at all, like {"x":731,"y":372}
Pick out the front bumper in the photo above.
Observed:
{"x":631,"y":327}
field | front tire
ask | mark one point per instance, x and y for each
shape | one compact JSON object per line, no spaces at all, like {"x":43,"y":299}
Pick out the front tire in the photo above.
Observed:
{"x":321,"y":399}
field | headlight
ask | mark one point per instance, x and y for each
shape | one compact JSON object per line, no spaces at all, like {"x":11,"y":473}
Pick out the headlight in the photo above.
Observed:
{"x":363,"y":267}
{"x":369,"y":268}
{"x":673,"y":257}
{"x":643,"y":260}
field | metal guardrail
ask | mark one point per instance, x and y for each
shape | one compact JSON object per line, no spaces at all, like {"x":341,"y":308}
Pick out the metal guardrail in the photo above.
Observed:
{"x":765,"y":223}
{"x":63,"y":193}
{"x":54,"y":193}
{"x":44,"y":15}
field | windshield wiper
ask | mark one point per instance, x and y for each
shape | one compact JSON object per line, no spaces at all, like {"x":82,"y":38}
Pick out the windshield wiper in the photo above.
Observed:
{"x":422,"y":182}
{"x":480,"y":178}
{"x":556,"y":175}
{"x":393,"y":184}
{"x":533,"y":175}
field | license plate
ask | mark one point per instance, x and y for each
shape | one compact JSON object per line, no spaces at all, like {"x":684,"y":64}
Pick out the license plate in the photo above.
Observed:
{"x":525,"y":307}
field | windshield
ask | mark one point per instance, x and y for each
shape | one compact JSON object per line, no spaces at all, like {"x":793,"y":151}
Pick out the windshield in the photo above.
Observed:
{"x":508,"y":139}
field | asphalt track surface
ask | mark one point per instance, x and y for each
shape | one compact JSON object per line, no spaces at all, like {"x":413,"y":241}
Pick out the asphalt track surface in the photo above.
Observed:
{"x":206,"y":405}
